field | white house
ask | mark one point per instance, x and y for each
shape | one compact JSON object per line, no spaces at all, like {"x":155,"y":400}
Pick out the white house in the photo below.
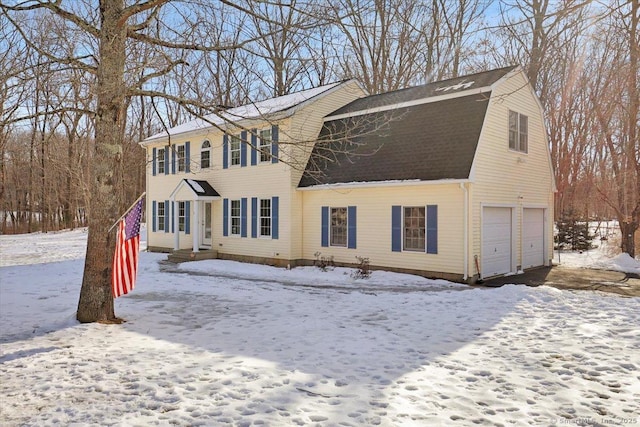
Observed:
{"x":435,"y":179}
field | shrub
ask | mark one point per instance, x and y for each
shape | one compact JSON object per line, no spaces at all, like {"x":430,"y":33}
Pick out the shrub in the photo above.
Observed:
{"x":324,"y":263}
{"x":363,"y":271}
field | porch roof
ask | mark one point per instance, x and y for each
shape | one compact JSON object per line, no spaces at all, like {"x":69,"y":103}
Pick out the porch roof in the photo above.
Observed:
{"x":200,"y":189}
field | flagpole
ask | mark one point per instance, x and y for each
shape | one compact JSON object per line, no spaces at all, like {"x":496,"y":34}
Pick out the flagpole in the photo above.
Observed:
{"x":127,"y":211}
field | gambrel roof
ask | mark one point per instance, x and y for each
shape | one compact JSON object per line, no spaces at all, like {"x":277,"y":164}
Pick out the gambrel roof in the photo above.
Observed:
{"x":424,"y":133}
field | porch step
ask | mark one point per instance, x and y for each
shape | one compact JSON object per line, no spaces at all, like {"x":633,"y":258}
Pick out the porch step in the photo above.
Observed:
{"x":184,"y":255}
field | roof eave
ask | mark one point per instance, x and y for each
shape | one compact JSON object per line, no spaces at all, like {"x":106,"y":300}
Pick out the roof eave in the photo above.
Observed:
{"x":376,"y":184}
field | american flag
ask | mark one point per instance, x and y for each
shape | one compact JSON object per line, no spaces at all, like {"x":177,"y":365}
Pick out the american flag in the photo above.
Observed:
{"x":125,"y":260}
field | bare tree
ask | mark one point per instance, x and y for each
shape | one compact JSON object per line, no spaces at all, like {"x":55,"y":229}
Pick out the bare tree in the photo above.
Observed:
{"x":616,"y":104}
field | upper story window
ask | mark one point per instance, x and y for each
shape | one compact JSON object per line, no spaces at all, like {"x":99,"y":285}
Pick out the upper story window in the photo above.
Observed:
{"x":180,"y":150}
{"x":338,"y":232}
{"x":234,"y":149}
{"x":265,"y":217}
{"x":160,"y":160}
{"x":414,"y":234}
{"x":234,"y":217}
{"x":205,"y":155}
{"x":264,"y":145}
{"x":518,"y":132}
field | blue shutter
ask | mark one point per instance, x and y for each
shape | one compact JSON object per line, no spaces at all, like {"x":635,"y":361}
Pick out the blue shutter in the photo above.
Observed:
{"x":187,"y":217}
{"x":166,"y":166}
{"x":167,"y":218}
{"x":325,"y":226}
{"x":153,"y":214}
{"x":254,"y":217}
{"x":351,"y":224}
{"x":225,"y":217}
{"x":396,"y":228}
{"x":225,"y":153}
{"x":187,"y":157}
{"x":254,"y":147}
{"x":153,"y":167}
{"x":173,"y":159}
{"x":243,"y":149}
{"x":275,"y":201}
{"x":243,"y":217}
{"x":432,"y":229}
{"x":274,"y":144}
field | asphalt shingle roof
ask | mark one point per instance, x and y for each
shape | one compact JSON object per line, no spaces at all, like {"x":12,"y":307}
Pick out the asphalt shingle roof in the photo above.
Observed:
{"x":442,"y":87}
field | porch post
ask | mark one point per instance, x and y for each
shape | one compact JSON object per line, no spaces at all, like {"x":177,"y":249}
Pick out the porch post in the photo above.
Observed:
{"x":176,"y":222}
{"x":196,"y":226}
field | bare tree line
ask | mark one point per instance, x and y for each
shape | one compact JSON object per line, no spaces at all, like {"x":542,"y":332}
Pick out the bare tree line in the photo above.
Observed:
{"x":83,"y":81}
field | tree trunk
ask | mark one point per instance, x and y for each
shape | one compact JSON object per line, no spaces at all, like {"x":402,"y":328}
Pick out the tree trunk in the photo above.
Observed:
{"x":628,"y":230}
{"x":96,"y":300}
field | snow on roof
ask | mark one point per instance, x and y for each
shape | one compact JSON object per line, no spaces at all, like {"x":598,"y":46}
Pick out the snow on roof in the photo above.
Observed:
{"x":248,"y":111}
{"x":197,"y":187}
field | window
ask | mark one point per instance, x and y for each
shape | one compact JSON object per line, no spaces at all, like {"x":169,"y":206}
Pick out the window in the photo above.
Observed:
{"x":264,"y":146}
{"x":518,"y":131}
{"x":338,"y":232}
{"x":265,"y":217}
{"x":234,"y":148}
{"x":160,"y":158}
{"x":414,"y":231}
{"x":235,"y":217}
{"x":180,"y":149}
{"x":161,"y":216}
{"x":205,"y":155}
{"x":182,"y":212}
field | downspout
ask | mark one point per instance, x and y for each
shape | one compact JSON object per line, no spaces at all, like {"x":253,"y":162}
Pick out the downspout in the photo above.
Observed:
{"x":465,"y":239}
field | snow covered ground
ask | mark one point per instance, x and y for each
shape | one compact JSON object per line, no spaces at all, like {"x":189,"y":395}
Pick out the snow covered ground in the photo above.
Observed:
{"x":223,"y":343}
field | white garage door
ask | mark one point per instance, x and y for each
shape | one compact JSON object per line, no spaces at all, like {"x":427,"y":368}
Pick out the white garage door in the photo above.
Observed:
{"x":496,"y":241}
{"x":532,"y":238}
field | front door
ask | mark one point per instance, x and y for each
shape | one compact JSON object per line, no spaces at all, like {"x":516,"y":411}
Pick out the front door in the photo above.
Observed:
{"x":206,"y":225}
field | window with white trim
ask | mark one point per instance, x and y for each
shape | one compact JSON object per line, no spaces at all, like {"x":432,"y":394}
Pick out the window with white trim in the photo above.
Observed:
{"x":160,"y":159}
{"x":180,"y":150}
{"x":338,"y":228}
{"x":161,"y":217}
{"x":414,"y":229}
{"x":181,"y":215}
{"x":234,"y":217}
{"x":518,"y":132}
{"x":205,"y":155}
{"x":265,"y":217}
{"x":264,"y":145}
{"x":234,"y":149}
